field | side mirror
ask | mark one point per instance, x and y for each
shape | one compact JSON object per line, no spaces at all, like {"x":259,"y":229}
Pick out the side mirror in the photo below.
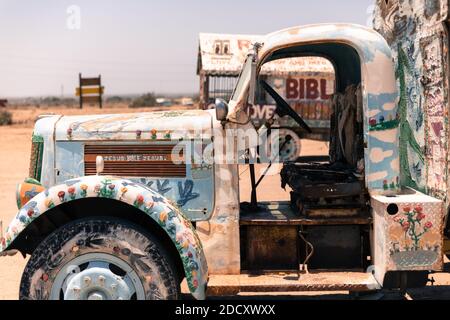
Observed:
{"x":221,"y":109}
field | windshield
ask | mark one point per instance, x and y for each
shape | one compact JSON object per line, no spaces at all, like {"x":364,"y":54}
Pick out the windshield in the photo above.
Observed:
{"x":244,"y":77}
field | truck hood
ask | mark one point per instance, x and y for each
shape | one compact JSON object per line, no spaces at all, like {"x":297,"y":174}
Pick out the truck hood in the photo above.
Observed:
{"x":131,"y":126}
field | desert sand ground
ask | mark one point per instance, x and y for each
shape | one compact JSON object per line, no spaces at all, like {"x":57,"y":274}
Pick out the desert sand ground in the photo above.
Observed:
{"x":14,"y":156}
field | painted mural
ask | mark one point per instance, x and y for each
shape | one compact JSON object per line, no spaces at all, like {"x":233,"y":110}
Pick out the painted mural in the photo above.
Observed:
{"x":416,"y":36}
{"x":413,"y":236}
{"x":166,"y":214}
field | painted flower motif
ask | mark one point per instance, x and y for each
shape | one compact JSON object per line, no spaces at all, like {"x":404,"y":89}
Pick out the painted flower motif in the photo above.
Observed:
{"x":138,"y":134}
{"x":3,"y":242}
{"x":163,"y":216}
{"x":186,"y":223}
{"x":30,"y":213}
{"x":111,"y":187}
{"x":69,"y":133}
{"x":153,"y":133}
{"x":71,"y":191}
{"x":398,"y":219}
{"x":167,"y":134}
{"x":185,"y":244}
{"x":405,"y":226}
{"x":190,"y":254}
{"x":421,"y":216}
{"x":61,"y":195}
{"x":410,"y":222}
{"x":195,"y":283}
{"x":139,"y":200}
{"x":83,"y":192}
{"x":49,"y":203}
{"x":97,"y":188}
{"x":123,"y":189}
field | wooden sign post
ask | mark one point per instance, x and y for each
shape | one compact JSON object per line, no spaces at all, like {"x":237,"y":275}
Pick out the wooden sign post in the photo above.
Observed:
{"x":90,"y":90}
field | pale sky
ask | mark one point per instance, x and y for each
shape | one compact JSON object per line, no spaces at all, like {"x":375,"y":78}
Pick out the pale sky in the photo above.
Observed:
{"x":137,"y":46}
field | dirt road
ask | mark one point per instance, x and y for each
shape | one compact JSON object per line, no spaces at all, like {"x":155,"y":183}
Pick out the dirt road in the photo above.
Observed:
{"x":14,"y":157}
{"x":15,"y":149}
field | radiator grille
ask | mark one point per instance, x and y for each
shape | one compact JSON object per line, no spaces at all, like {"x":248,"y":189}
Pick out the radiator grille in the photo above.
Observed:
{"x":134,"y":160}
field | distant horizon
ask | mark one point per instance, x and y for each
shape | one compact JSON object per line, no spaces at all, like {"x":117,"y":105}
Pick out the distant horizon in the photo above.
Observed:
{"x":125,"y":95}
{"x":137,"y":46}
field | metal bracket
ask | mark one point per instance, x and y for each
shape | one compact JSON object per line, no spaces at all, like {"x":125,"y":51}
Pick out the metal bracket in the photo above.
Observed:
{"x":204,"y":210}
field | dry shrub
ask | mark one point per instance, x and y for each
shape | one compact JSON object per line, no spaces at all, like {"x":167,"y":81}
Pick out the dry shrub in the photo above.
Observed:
{"x":5,"y":118}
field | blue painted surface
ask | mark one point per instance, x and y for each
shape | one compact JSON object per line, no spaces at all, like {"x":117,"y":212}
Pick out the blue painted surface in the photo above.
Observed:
{"x":194,"y":194}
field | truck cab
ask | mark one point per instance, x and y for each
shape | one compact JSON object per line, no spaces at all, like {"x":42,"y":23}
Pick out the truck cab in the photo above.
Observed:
{"x":127,"y":206}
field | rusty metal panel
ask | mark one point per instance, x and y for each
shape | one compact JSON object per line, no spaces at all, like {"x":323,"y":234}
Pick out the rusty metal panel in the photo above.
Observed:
{"x":291,"y":282}
{"x":271,"y":248}
{"x":335,"y":247}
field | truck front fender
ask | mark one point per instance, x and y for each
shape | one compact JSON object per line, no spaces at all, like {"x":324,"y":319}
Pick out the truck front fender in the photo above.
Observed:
{"x":149,"y":202}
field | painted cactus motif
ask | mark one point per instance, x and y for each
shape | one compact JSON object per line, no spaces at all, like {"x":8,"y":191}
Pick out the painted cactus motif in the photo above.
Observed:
{"x":407,"y":137}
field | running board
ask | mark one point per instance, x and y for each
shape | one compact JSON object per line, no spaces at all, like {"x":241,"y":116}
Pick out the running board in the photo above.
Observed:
{"x":223,"y":285}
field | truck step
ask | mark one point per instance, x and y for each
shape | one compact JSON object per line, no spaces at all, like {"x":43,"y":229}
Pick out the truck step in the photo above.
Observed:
{"x":223,"y":285}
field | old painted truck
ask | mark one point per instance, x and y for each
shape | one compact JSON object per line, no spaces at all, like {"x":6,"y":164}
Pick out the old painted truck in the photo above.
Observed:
{"x":115,"y":207}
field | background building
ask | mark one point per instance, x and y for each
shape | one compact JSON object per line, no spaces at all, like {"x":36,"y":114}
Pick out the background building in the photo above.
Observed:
{"x":306,"y":83}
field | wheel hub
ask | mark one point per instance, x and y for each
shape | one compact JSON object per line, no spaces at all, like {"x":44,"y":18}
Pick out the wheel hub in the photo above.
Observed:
{"x":97,"y":276}
{"x":97,"y":284}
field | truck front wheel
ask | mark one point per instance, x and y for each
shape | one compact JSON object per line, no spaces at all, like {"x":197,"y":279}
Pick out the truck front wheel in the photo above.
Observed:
{"x":99,"y":259}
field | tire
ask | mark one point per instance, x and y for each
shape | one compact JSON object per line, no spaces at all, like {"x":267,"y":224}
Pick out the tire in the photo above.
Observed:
{"x":99,"y":259}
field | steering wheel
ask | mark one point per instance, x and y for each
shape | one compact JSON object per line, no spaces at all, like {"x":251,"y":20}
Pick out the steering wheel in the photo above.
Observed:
{"x":283,"y":108}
